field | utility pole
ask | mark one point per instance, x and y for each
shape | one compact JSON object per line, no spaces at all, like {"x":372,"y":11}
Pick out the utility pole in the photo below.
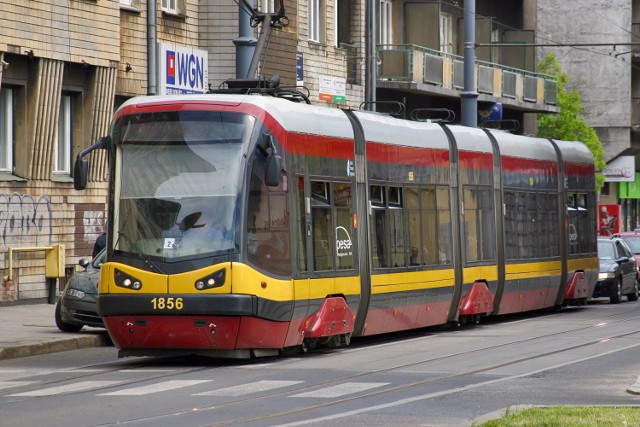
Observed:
{"x":371,"y":61}
{"x":469,"y":95}
{"x":246,"y":42}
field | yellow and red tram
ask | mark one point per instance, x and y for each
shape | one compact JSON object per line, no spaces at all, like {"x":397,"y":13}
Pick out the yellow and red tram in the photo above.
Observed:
{"x":244,"y":225}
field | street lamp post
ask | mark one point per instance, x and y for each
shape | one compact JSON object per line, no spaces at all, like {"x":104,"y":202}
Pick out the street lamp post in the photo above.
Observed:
{"x":469,"y":96}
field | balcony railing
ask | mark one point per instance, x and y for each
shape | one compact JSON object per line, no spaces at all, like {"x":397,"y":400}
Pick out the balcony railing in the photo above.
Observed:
{"x":422,"y":65}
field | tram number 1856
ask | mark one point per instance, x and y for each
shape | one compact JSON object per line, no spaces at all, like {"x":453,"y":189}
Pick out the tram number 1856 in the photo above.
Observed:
{"x":167,"y":303}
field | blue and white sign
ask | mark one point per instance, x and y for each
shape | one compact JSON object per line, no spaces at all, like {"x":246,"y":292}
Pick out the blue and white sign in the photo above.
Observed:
{"x":182,"y":69}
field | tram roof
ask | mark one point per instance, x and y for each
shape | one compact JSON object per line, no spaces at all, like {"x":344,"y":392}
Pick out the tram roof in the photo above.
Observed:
{"x":389,"y":130}
{"x":573,"y":151}
{"x":526,"y":147}
{"x":292,"y":116}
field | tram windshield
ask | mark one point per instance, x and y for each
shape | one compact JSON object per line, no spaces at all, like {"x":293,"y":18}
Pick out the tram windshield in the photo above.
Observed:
{"x":177,"y":183}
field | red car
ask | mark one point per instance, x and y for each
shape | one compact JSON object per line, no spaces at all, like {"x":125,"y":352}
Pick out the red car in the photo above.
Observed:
{"x":632,"y":239}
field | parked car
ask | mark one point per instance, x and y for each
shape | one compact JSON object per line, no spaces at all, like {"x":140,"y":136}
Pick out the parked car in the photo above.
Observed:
{"x":632,"y":239}
{"x":77,"y":304}
{"x":618,"y":270}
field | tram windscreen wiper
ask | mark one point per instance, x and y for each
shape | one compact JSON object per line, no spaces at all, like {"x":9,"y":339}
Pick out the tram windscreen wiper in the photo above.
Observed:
{"x":140,"y":253}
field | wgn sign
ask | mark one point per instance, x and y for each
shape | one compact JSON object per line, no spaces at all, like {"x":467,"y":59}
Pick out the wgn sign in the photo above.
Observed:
{"x":182,"y":70}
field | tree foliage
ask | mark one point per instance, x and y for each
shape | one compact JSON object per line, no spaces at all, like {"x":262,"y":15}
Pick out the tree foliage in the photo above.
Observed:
{"x":569,"y":124}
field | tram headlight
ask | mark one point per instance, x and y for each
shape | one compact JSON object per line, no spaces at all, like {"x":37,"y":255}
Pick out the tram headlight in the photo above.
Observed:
{"x":214,"y":280}
{"x":126,"y":281}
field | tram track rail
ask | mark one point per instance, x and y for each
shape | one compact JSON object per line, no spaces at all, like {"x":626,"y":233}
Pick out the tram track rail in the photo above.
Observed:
{"x":610,"y":328}
{"x":272,"y":417}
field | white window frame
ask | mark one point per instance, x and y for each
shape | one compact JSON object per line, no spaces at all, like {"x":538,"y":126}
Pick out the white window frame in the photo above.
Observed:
{"x":446,"y":33}
{"x":314,"y":20}
{"x":6,"y":129}
{"x":62,"y":147}
{"x":170,"y":6}
{"x":126,"y":2}
{"x":385,"y":29}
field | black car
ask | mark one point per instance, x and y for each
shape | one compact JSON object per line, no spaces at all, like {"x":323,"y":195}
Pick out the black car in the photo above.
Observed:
{"x":77,"y":304}
{"x":618,"y":271}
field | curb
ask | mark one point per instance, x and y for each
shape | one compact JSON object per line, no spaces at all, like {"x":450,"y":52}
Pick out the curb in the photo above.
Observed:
{"x":99,"y":340}
{"x":634,"y":388}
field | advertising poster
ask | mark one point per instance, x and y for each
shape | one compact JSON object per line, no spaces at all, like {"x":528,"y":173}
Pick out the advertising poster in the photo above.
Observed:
{"x":182,"y":70}
{"x":608,"y":219}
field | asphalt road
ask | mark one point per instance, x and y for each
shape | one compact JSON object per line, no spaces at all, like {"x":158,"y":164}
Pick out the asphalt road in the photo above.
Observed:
{"x":455,"y":377}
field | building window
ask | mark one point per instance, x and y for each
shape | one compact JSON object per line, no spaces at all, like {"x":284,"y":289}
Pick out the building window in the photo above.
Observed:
{"x":170,"y":6}
{"x":174,"y":7}
{"x":62,"y":154}
{"x":446,"y":33}
{"x":386,"y":22}
{"x":343,"y":14}
{"x":7,"y":141}
{"x":134,"y":4}
{"x":316,"y":20}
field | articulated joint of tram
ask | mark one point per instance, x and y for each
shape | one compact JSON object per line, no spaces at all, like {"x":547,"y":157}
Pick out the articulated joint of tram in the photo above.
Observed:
{"x":475,"y":303}
{"x":331,"y":325}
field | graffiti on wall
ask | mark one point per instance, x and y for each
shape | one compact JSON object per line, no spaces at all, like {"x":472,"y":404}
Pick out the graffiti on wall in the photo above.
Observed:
{"x":25,"y":221}
{"x":89,"y":222}
{"x":93,"y":223}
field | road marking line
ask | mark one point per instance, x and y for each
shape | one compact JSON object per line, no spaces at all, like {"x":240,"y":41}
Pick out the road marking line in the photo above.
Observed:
{"x":155,"y":388}
{"x":11,"y":384}
{"x":81,"y":386}
{"x":447,"y":392}
{"x":340,"y":390}
{"x":243,"y":389}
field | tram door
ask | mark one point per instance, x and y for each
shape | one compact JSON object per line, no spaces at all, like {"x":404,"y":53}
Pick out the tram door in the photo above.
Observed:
{"x":326,"y":242}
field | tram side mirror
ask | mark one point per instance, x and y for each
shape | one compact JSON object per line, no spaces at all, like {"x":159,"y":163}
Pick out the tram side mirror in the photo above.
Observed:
{"x":272,"y":171}
{"x":81,"y":167}
{"x":274,"y":162}
{"x":80,"y":173}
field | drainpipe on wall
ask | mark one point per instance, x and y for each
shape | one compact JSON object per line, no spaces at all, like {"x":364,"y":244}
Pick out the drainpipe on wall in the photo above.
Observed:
{"x":152,"y":41}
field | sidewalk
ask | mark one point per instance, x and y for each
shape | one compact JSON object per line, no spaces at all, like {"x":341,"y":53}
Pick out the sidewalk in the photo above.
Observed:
{"x":29,"y":330}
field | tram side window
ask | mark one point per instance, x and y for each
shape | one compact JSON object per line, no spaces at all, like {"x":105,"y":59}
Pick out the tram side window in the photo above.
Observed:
{"x":531,"y":225}
{"x":323,"y":242}
{"x":583,"y":221}
{"x":417,"y":251}
{"x":580,"y":240}
{"x":551,"y":212}
{"x":342,"y":212}
{"x":430,"y":216}
{"x":379,"y":240}
{"x":397,"y":227}
{"x":268,"y":224}
{"x":301,"y":224}
{"x":592,"y":218}
{"x":445,"y":235}
{"x":479,"y":224}
{"x":518,"y":224}
{"x":510,"y":225}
